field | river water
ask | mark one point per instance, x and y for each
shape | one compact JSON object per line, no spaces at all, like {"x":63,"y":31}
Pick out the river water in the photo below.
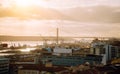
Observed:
{"x":30,"y":43}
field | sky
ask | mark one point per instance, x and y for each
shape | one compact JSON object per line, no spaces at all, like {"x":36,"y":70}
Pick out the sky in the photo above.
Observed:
{"x":15,"y":26}
{"x":76,"y":3}
{"x":62,"y":3}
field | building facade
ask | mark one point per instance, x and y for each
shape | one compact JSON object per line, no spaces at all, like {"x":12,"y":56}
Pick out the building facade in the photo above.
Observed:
{"x":107,"y":50}
{"x":4,"y":65}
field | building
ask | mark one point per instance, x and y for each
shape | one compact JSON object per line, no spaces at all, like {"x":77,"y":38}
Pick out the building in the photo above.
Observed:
{"x":62,"y":51}
{"x":28,"y":69}
{"x":4,"y":65}
{"x":35,"y":69}
{"x":17,"y":66}
{"x":32,"y":67}
{"x":3,"y":46}
{"x":106,"y":49}
{"x":71,"y":60}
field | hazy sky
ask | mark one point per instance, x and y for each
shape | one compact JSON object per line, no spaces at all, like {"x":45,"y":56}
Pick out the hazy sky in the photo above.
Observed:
{"x":75,"y":3}
{"x":63,"y":3}
{"x":14,"y":26}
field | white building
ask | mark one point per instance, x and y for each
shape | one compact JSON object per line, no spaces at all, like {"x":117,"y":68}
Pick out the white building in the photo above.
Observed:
{"x":58,"y":51}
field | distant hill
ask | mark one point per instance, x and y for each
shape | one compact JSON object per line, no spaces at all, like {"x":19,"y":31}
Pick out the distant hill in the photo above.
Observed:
{"x":30,"y":38}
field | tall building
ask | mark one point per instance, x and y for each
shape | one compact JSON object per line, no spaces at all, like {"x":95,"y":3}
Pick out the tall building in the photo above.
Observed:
{"x":106,"y":49}
{"x":4,"y":65}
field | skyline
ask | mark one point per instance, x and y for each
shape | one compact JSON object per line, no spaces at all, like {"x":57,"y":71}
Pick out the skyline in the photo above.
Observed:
{"x":72,"y":17}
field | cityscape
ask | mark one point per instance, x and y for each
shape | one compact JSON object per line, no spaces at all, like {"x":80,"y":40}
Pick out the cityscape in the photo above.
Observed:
{"x":59,"y":37}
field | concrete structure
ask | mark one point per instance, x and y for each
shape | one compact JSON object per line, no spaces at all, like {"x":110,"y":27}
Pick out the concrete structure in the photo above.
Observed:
{"x":107,"y":50}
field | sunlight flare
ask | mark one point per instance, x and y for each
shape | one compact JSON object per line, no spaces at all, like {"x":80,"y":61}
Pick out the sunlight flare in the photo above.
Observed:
{"x":27,"y":49}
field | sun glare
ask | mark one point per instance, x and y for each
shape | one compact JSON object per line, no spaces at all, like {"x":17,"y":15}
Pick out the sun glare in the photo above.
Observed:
{"x":27,"y":3}
{"x":27,"y":49}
